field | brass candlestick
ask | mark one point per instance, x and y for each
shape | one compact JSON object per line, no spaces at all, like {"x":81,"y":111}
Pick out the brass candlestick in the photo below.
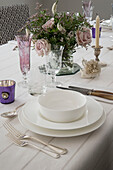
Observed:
{"x":97,"y":53}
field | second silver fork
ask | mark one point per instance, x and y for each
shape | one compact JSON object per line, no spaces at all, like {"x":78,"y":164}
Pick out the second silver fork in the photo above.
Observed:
{"x":21,"y":136}
{"x":24,"y":143}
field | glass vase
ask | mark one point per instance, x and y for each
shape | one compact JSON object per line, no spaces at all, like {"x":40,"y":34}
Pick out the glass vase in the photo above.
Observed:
{"x":67,"y":63}
{"x":53,"y":64}
{"x":68,"y":66}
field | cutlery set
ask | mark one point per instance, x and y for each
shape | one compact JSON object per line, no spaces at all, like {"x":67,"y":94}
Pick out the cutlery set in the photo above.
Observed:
{"x":19,"y":139}
{"x":85,"y":91}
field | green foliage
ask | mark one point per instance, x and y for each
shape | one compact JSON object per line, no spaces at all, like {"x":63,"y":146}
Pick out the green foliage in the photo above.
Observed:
{"x":70,"y":23}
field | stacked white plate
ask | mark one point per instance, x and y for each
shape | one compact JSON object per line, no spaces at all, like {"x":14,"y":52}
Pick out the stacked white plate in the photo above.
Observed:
{"x":30,"y":117}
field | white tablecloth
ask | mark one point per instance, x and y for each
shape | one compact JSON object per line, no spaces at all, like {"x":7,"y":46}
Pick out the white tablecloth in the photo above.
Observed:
{"x":93,"y":151}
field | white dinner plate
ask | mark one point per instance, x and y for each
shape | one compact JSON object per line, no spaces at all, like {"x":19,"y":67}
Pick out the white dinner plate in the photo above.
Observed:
{"x":93,"y":114}
{"x":61,"y":133}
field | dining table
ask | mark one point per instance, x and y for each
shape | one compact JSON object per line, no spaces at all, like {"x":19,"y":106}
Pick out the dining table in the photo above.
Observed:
{"x":91,"y":150}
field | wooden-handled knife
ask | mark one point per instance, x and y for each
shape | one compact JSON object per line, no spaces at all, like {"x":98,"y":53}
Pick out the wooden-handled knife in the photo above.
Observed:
{"x":85,"y":91}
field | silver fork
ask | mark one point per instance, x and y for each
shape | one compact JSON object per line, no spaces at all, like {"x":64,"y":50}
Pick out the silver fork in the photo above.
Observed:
{"x":24,"y":143}
{"x":21,"y":136}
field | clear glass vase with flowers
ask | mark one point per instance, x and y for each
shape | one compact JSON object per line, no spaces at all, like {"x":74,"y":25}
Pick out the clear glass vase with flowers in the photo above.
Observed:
{"x":62,"y":29}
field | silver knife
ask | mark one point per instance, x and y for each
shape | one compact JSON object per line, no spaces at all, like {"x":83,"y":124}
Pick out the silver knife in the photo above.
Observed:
{"x":99,"y":93}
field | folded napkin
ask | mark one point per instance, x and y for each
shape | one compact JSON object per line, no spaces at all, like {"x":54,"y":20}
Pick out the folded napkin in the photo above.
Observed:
{"x":107,"y":24}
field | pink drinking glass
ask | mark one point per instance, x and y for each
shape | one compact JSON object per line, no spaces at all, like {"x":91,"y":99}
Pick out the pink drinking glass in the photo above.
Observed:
{"x":24,"y":45}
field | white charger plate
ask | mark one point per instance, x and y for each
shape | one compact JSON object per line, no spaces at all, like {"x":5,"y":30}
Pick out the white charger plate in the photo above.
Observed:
{"x":93,"y":114}
{"x":61,"y":133}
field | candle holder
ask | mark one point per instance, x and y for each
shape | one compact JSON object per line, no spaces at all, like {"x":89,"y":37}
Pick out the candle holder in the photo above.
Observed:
{"x":97,"y":53}
{"x":7,"y":91}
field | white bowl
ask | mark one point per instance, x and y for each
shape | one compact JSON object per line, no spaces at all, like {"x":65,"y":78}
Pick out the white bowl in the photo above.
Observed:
{"x":62,"y":105}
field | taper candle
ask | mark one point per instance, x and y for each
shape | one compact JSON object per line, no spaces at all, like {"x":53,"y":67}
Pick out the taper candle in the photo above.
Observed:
{"x":97,"y":31}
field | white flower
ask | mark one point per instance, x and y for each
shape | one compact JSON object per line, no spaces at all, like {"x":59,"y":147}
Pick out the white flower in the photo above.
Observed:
{"x":54,"y":7}
{"x":27,"y":32}
{"x":67,"y":13}
{"x":60,"y":28}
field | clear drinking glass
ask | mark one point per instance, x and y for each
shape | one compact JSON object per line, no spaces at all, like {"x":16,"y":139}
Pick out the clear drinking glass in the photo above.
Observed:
{"x":87,"y":10}
{"x":53,"y":64}
{"x":37,"y":81}
{"x":24,"y":45}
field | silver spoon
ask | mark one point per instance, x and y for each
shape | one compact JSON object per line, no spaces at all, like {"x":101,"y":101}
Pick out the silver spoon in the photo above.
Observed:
{"x":11,"y":113}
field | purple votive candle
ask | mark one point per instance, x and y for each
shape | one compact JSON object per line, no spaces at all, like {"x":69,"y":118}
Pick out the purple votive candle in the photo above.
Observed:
{"x":7,"y":91}
{"x":94,"y":32}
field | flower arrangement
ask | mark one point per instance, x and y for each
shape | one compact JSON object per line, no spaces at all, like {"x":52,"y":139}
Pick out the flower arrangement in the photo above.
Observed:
{"x":58,"y":29}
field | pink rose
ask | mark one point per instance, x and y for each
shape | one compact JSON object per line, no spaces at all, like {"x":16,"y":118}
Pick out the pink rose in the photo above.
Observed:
{"x":42,"y":47}
{"x":48,"y":24}
{"x":83,"y":37}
